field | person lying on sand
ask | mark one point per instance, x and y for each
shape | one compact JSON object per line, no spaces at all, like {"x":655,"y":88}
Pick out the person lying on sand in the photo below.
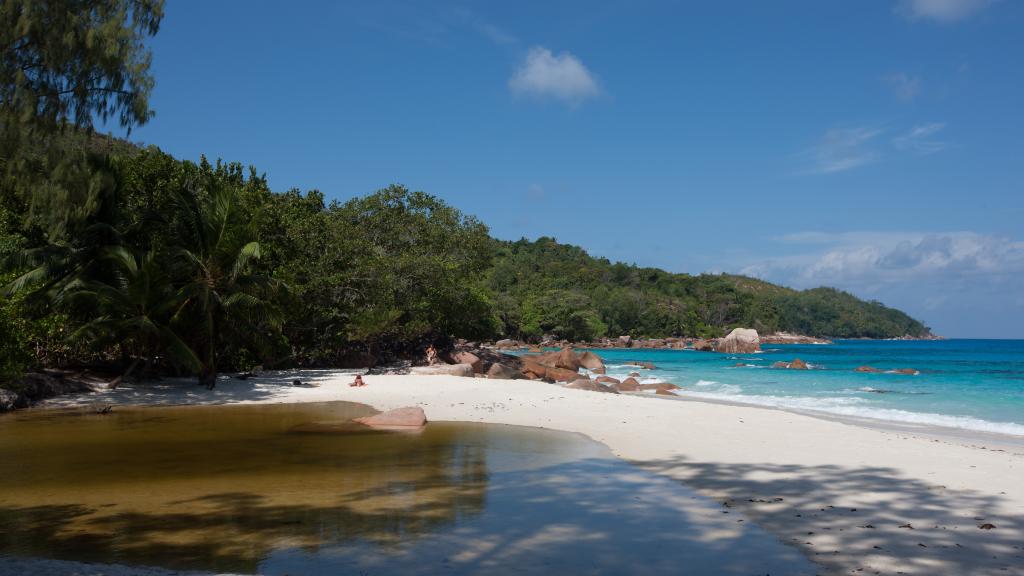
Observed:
{"x":358,"y":381}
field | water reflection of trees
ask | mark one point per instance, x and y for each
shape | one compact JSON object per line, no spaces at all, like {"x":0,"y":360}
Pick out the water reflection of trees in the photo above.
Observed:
{"x":394,"y":489}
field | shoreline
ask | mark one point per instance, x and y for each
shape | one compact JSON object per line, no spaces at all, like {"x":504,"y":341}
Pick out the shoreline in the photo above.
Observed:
{"x":966,"y":437}
{"x":839,"y":491}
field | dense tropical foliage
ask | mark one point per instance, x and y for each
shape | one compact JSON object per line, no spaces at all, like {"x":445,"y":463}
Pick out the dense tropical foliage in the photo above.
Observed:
{"x":196,"y":268}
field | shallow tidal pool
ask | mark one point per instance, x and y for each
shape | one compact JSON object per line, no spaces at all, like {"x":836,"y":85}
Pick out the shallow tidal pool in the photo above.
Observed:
{"x":299,"y":489}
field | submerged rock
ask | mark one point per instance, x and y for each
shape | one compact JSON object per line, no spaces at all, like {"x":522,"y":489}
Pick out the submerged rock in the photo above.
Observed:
{"x":868,"y":369}
{"x":406,"y":417}
{"x":798,"y":364}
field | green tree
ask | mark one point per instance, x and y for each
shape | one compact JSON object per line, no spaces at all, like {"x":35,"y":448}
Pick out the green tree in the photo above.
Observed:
{"x":74,"y":61}
{"x":223,"y":300}
{"x":132,"y":310}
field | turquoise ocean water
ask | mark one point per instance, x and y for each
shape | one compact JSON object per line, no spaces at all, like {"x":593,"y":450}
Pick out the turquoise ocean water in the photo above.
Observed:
{"x":969,"y":384}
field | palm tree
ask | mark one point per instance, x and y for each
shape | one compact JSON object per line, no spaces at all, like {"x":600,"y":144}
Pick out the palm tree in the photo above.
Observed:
{"x":219,"y":292}
{"x":134,"y":306}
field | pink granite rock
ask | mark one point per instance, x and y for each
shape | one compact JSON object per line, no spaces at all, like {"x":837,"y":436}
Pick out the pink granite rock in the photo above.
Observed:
{"x":407,"y":417}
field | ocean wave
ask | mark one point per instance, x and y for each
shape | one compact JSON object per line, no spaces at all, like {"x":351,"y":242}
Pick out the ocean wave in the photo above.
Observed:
{"x":885,"y":391}
{"x":854,"y":407}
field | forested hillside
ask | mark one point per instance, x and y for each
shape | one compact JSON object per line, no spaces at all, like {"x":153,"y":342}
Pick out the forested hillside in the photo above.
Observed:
{"x":546,"y":287}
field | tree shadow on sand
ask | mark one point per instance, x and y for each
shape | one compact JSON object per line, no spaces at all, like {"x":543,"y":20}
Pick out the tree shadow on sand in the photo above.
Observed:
{"x":850,"y":518}
{"x":269,"y":386}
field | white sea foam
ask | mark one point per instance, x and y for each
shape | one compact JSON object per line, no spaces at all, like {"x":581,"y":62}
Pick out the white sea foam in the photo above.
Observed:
{"x":855,"y":407}
{"x":706,"y":383}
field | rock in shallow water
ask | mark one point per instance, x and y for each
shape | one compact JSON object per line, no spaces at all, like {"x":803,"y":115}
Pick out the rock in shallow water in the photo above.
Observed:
{"x":407,"y":417}
{"x":740,"y":341}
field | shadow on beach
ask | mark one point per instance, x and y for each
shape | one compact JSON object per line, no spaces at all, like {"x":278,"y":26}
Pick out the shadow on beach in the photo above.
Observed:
{"x":267,"y":387}
{"x":870,"y":518}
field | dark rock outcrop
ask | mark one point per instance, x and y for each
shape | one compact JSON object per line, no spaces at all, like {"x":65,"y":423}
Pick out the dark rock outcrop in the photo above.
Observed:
{"x":36,"y":386}
{"x":11,"y":400}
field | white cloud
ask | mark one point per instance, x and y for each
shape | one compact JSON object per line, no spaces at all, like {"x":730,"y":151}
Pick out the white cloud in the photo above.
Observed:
{"x":920,"y":139}
{"x":842,"y":149}
{"x":963,"y":284}
{"x":867,"y":260}
{"x":495,"y":34}
{"x":905,"y":86}
{"x":563,"y":77}
{"x":941,"y":10}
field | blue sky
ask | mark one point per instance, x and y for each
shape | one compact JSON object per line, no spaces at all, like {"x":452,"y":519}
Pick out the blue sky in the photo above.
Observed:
{"x":875,"y":146}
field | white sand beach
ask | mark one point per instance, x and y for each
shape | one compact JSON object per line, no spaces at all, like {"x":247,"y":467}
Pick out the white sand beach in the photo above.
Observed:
{"x":853,"y":499}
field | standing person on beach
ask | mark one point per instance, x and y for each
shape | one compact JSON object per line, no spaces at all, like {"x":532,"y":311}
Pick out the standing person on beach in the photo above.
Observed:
{"x":431,"y":355}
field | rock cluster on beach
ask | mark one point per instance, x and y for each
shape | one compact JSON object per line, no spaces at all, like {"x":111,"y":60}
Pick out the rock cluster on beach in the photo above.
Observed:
{"x":740,"y":340}
{"x":566,"y":366}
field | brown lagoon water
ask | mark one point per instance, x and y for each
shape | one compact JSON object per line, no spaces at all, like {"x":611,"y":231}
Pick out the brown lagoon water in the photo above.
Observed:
{"x":297,"y":489}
